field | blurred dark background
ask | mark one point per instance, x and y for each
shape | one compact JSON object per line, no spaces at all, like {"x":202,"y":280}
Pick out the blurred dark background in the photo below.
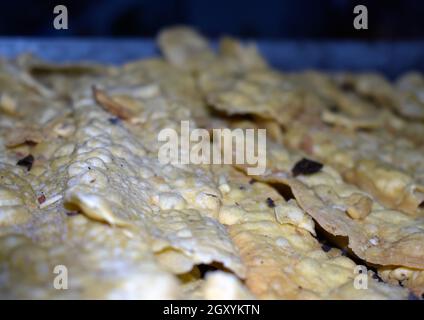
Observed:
{"x":272,"y":19}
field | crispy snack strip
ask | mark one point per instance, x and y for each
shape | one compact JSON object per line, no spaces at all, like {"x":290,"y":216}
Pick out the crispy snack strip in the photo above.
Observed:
{"x":283,"y":259}
{"x":272,"y":96}
{"x":407,"y":277}
{"x":104,"y":172}
{"x":390,"y":169}
{"x":113,"y":179}
{"x":375,"y":234}
{"x":404,"y":97}
{"x":83,"y":191}
{"x":92,"y":261}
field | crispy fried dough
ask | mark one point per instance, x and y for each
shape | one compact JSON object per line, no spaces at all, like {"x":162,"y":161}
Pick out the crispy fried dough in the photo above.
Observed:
{"x":284,"y":260}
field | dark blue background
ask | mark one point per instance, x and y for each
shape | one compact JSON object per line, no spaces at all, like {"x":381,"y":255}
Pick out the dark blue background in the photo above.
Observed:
{"x":291,"y":34}
{"x":293,"y":19}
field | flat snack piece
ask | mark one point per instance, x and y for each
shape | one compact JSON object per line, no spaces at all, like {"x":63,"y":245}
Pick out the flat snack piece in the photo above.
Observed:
{"x":263,"y":93}
{"x":237,"y":74}
{"x":283,"y":259}
{"x":375,"y":234}
{"x":345,"y":108}
{"x":269,"y":95}
{"x":378,"y":236}
{"x":112,"y":179}
{"x":185,"y":48}
{"x":85,"y":202}
{"x":357,"y":213}
{"x":91,"y":261}
{"x":405,"y":98}
{"x":103,"y":172}
{"x":352,"y":206}
{"x":17,"y":198}
{"x":406,"y":277}
{"x":163,"y":79}
{"x":390,"y":169}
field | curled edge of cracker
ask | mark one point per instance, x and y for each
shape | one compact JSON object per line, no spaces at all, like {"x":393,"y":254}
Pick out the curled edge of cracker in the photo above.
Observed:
{"x":110,"y":105}
{"x":340,"y":225}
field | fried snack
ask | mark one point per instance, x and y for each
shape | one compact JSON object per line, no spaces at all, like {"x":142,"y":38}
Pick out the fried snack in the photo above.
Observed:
{"x":275,"y":97}
{"x":157,"y":198}
{"x":176,"y":85}
{"x":356,"y":204}
{"x":270,"y":96}
{"x":391,"y":170}
{"x":406,"y":277}
{"x":284,"y":260}
{"x":185,"y":48}
{"x":83,"y":190}
{"x":354,"y":207}
{"x":405,"y":98}
{"x":101,"y":263}
{"x":375,"y":234}
{"x":97,"y":150}
{"x":17,"y":198}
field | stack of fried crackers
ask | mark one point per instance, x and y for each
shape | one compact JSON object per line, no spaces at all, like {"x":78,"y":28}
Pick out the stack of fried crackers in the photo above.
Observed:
{"x":82,"y":188}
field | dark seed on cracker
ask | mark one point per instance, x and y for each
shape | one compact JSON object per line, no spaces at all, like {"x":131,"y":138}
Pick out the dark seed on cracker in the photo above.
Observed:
{"x":334,"y":109}
{"x":113,"y":120}
{"x":375,"y":276}
{"x":72,"y":213}
{"x":252,"y":181}
{"x":26,"y":162}
{"x":41,"y":199}
{"x":344,"y":252}
{"x":325,"y":247}
{"x":306,"y":166}
{"x":270,"y":202}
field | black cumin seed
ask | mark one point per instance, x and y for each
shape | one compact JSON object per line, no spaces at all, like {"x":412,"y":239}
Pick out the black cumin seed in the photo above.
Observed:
{"x":306,"y":166}
{"x":26,"y":162}
{"x":270,"y":202}
{"x":252,"y":181}
{"x":334,"y":109}
{"x":421,"y":205}
{"x":242,"y":188}
{"x":375,"y":276}
{"x":72,"y":213}
{"x":326,"y":247}
{"x":113,"y":120}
